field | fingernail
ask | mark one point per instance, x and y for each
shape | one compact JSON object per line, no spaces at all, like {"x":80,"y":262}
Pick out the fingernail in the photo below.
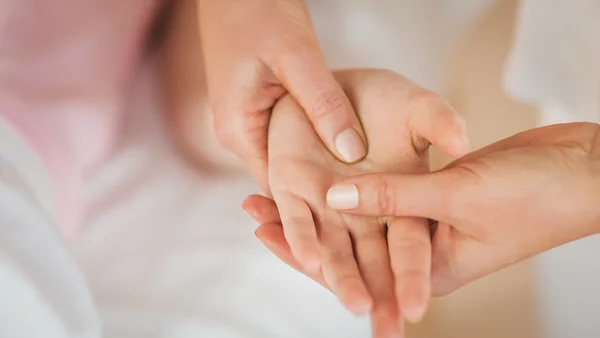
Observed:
{"x":350,"y":146}
{"x":362,"y":308}
{"x":312,"y":264}
{"x":343,"y":197}
{"x":415,"y":314}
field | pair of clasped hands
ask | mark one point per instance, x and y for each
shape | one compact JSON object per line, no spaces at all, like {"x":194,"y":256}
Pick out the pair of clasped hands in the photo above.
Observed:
{"x":343,"y":158}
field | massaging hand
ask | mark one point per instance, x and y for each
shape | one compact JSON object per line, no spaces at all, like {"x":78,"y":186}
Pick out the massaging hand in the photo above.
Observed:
{"x":497,"y":206}
{"x":255,"y":52}
{"x":352,"y":250}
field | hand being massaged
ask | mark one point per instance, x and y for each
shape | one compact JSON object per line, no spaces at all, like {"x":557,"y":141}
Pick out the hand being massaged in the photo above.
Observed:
{"x":377,"y":265}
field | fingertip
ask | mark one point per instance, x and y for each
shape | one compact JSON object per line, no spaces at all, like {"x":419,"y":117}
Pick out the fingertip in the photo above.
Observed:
{"x":415,"y":314}
{"x":356,"y":298}
{"x":271,"y":233}
{"x":386,"y":321}
{"x":458,"y":140}
{"x":414,"y":303}
{"x":343,"y":197}
{"x":350,"y":145}
{"x":247,"y":206}
{"x":459,"y":147}
{"x":360,"y":304}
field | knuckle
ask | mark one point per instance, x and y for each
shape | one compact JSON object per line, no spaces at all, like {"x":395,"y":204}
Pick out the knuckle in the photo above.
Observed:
{"x":386,"y":199}
{"x":425,"y":102}
{"x":338,"y":256}
{"x":244,"y":131}
{"x":412,"y":273}
{"x":374,"y":265}
{"x":424,"y":98}
{"x":300,"y":228}
{"x":345,"y":278}
{"x":409,"y":244}
{"x":328,"y":103}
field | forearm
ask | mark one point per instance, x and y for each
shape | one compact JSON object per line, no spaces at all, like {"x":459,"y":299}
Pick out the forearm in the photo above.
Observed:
{"x":184,"y":83}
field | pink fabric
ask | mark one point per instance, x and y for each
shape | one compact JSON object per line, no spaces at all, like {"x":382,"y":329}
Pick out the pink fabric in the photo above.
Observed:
{"x":65,"y":68}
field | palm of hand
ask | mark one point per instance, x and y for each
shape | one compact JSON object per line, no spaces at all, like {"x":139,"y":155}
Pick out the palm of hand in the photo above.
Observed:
{"x":350,"y":248}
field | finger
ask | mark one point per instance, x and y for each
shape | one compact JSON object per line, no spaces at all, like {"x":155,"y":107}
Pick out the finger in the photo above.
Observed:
{"x":262,"y":209}
{"x":299,"y":230}
{"x":257,"y":166}
{"x":443,"y":259}
{"x":246,"y":135}
{"x":373,"y":259}
{"x":272,"y":237}
{"x":305,"y":74}
{"x":435,"y":122}
{"x":410,"y":251}
{"x":340,"y":269}
{"x":431,"y":196}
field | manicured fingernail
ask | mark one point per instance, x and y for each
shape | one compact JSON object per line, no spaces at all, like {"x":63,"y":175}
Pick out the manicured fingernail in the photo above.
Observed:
{"x":343,"y":197}
{"x":350,"y":146}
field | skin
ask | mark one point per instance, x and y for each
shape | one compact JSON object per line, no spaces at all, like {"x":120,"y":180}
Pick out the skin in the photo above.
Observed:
{"x":497,"y":206}
{"x":257,"y":51}
{"x":353,"y":252}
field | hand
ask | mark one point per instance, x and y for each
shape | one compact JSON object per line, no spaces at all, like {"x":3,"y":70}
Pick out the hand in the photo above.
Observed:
{"x":497,"y":206}
{"x":351,"y":250}
{"x":255,"y":52}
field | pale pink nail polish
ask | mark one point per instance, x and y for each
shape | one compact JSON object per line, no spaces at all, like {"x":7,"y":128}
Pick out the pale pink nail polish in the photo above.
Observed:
{"x":343,"y":197}
{"x":350,"y":146}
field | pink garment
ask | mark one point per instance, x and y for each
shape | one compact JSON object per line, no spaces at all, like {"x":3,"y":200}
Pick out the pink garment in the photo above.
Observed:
{"x":65,"y":68}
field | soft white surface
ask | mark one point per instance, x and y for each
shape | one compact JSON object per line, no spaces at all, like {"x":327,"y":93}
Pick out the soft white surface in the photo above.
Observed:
{"x":39,"y":280}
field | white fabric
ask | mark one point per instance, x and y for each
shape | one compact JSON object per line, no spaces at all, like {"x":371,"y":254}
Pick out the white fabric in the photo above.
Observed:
{"x":43,"y":292}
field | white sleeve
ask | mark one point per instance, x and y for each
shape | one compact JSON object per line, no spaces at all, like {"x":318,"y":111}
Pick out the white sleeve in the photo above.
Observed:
{"x":42,"y":291}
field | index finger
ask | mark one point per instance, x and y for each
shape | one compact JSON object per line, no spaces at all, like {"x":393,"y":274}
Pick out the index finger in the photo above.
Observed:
{"x":425,"y":195}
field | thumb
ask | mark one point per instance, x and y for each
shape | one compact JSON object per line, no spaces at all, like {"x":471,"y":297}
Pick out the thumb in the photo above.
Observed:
{"x":305,"y":74}
{"x":434,"y":121}
{"x":432,"y":196}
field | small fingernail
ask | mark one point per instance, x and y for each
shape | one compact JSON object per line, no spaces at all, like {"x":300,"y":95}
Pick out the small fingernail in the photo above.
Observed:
{"x":313,"y":265}
{"x":343,"y":197}
{"x":350,"y":146}
{"x":415,"y":314}
{"x":362,"y":309}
